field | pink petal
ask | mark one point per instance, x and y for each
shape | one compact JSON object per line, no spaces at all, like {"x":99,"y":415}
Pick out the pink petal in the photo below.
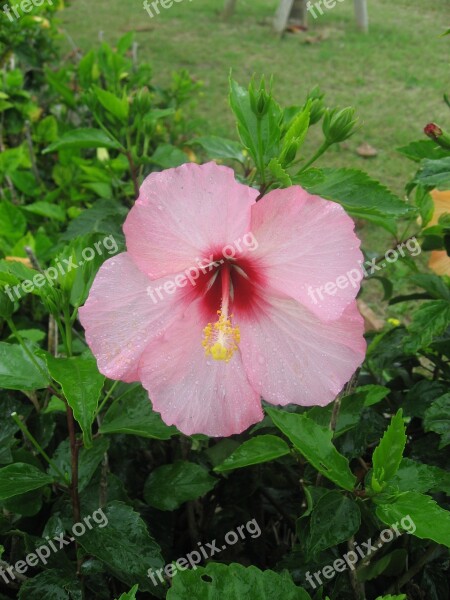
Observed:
{"x":294,"y":358}
{"x":184,"y":213}
{"x":305,"y":242}
{"x":120,"y":318}
{"x":195,"y":392}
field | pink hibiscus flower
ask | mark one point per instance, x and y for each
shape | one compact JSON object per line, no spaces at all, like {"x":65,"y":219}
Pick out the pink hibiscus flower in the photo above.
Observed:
{"x":211,"y":307}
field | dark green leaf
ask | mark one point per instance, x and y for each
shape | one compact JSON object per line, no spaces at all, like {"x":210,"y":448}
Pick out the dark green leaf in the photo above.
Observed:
{"x":389,"y":452}
{"x":51,"y":585}
{"x":234,"y":582}
{"x":334,"y":519}
{"x":260,"y":449}
{"x":419,"y":477}
{"x":133,"y":415}
{"x":169,"y":486}
{"x":124,"y":545}
{"x":19,"y":478}
{"x":429,"y":321}
{"x":18,"y":371}
{"x":314,"y":442}
{"x":81,"y":383}
{"x":437,"y":419}
{"x":430,"y":520}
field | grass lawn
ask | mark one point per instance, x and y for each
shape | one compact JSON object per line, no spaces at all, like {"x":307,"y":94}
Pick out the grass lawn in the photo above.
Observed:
{"x":395,"y":76}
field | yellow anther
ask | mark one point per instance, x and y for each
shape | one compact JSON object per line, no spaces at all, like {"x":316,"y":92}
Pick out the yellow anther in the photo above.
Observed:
{"x":221,"y":338}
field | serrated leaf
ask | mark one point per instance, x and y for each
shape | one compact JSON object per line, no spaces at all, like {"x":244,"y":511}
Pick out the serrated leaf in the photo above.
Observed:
{"x":421,"y":149}
{"x":131,"y":595}
{"x":413,"y":475}
{"x":361,"y":196}
{"x":437,"y":419}
{"x":281,"y":175}
{"x":125,"y":546}
{"x":259,"y":449}
{"x":430,"y":520}
{"x":314,"y":442}
{"x":51,"y":585}
{"x":429,"y":321}
{"x":389,"y":452}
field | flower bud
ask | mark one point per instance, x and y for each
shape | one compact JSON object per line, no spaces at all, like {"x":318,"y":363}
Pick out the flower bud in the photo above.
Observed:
{"x":290,"y":154}
{"x":259,"y":99}
{"x":317,"y":109}
{"x":338,"y":125}
{"x":438,"y":135}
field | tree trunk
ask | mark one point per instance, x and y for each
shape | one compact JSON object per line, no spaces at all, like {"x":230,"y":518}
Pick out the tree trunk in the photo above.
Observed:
{"x":282,"y":15}
{"x":362,"y":15}
{"x":229,"y":8}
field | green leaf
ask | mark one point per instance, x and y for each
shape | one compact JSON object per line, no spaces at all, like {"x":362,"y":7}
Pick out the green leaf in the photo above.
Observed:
{"x":260,"y":449}
{"x":124,"y":545}
{"x":281,"y":175}
{"x":116,"y":106}
{"x":83,"y":138}
{"x":435,"y":173}
{"x":18,"y":371}
{"x":334,"y":519}
{"x":131,"y":595}
{"x":234,"y":581}
{"x":247,"y":123}
{"x":220,"y":148}
{"x":104,"y":217}
{"x":60,"y":87}
{"x":19,"y":478}
{"x":169,"y":486}
{"x":314,"y":442}
{"x":12,"y":222}
{"x":167,"y":156}
{"x":81,"y":383}
{"x":421,"y":149}
{"x":389,"y":452}
{"x":51,"y":585}
{"x":399,"y":597}
{"x":437,"y":419}
{"x":361,"y":196}
{"x":430,"y":520}
{"x":133,"y":415}
{"x":429,"y":321}
{"x":45,"y":209}
{"x":420,"y":477}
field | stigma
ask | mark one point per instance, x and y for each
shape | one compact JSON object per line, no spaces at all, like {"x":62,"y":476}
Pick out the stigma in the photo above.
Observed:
{"x":221,"y":339}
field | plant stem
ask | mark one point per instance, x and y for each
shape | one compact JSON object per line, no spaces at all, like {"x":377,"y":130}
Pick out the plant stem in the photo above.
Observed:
{"x":106,"y":398}
{"x":323,"y":148}
{"x":26,"y":432}
{"x":261,"y":153}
